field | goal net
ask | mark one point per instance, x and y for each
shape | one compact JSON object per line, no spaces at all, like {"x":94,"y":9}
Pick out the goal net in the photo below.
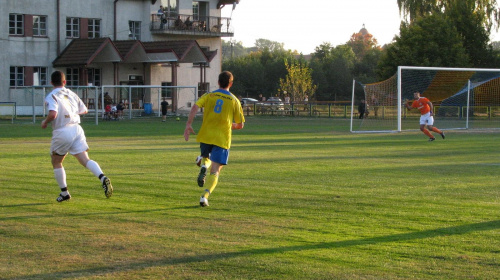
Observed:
{"x":7,"y":111}
{"x":463,"y":98}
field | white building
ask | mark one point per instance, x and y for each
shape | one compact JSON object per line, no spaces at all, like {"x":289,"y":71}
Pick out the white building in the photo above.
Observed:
{"x":112,"y":42}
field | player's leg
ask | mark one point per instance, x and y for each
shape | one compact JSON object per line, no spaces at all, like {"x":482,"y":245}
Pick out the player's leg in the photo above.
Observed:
{"x":430,"y":125}
{"x":79,"y":150}
{"x":60,"y":176}
{"x":426,"y":131}
{"x":219,"y":157}
{"x":94,"y":167}
{"x":204,"y":162}
{"x":59,"y":146}
{"x":423,"y":123}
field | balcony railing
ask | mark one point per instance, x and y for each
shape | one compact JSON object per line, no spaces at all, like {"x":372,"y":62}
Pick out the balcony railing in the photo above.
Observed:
{"x":187,"y":25}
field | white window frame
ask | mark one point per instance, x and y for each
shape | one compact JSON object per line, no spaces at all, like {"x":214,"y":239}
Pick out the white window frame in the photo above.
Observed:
{"x":16,"y":24}
{"x":134,"y":30}
{"x":196,"y":10}
{"x":72,"y":27}
{"x":95,"y":76}
{"x":94,"y":30}
{"x":72,"y":77}
{"x":40,"y":75}
{"x":16,"y":78}
{"x":39,"y":26}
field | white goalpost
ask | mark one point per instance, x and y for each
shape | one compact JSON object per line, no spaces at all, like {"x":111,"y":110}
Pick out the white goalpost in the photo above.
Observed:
{"x":463,"y":98}
{"x":8,"y":111}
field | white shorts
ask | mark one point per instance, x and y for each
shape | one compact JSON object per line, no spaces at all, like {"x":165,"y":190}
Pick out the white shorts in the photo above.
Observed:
{"x":426,"y":119}
{"x":70,"y":139}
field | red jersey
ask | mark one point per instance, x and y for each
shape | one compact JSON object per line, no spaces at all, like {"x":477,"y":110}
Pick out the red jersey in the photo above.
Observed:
{"x":422,"y":105}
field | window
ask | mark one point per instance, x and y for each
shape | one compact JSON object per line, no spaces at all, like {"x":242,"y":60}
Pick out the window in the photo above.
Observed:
{"x":72,"y":75}
{"x":40,"y":76}
{"x":16,"y":76}
{"x":94,"y":76}
{"x":72,"y":27}
{"x":166,"y":92}
{"x":94,"y":28}
{"x":196,"y":10}
{"x":134,"y":30}
{"x":203,"y":88}
{"x":16,"y":24}
{"x":39,"y":26}
{"x":170,"y":7}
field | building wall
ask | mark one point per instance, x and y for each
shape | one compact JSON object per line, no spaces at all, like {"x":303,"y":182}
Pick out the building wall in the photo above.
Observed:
{"x":42,"y":51}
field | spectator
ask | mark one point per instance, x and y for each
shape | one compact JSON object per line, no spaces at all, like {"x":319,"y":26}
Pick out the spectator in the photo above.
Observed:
{"x":362,"y":109}
{"x":164,"y":107}
{"x":119,"y":110}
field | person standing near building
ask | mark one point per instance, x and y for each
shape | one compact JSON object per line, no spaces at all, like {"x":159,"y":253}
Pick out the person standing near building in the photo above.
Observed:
{"x":427,"y":118}
{"x":221,"y":108}
{"x":164,"y":107}
{"x":65,"y":108}
{"x":362,"y":109}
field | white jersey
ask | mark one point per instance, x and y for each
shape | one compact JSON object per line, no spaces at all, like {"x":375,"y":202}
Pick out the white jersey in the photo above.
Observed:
{"x":68,"y":106}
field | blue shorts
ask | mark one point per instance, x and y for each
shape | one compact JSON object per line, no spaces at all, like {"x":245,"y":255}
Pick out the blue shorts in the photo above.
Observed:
{"x":214,"y":153}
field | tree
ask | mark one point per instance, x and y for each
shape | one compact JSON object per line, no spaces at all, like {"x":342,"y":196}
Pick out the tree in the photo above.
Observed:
{"x":258,"y":72}
{"x":486,"y":9}
{"x":298,"y":81}
{"x":429,"y":41}
{"x":473,"y":20}
{"x":262,"y":44}
{"x":232,"y":49}
{"x":362,"y":42}
{"x":367,"y":52}
{"x":333,"y":71}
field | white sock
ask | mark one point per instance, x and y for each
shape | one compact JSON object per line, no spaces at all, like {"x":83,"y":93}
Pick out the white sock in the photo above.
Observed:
{"x":60,"y":175}
{"x":94,"y":168}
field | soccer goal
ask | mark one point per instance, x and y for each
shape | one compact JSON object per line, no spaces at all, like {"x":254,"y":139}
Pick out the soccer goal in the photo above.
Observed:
{"x":463,"y":98}
{"x":7,"y":111}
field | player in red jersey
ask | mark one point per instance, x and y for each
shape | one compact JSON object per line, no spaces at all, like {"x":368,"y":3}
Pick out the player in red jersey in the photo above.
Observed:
{"x":427,"y":119}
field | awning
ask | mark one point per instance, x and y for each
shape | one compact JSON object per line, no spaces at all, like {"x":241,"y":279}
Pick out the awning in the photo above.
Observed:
{"x":81,"y":52}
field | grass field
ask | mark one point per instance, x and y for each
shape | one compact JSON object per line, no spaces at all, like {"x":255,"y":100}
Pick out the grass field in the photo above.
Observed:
{"x":301,"y":198}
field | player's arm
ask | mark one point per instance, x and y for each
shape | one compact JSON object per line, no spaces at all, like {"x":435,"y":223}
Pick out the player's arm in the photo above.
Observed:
{"x":431,"y":106}
{"x":50,"y":117}
{"x":407,"y":104}
{"x":237,"y":126}
{"x":189,"y":129}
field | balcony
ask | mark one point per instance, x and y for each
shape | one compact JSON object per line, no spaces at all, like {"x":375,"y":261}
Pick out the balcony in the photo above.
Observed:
{"x":204,"y":26}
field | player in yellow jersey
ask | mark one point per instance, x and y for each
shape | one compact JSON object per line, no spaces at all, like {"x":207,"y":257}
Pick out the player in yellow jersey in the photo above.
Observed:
{"x":221,"y":108}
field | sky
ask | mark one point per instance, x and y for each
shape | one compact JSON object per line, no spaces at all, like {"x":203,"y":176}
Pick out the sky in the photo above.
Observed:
{"x":303,"y":25}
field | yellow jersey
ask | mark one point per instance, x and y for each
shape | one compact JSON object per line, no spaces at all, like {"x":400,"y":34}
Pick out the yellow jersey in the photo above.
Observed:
{"x":221,"y":108}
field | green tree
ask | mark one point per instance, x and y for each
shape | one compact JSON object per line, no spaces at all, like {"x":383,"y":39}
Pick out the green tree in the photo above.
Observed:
{"x":262,"y":44}
{"x":428,"y":41}
{"x":473,"y":19}
{"x":258,"y":72}
{"x":486,"y":9}
{"x":298,"y":82}
{"x":368,"y":53}
{"x":333,"y":71}
{"x":232,"y":49}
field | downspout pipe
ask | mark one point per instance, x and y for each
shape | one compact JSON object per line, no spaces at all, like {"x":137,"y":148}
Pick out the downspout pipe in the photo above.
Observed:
{"x":58,"y":7}
{"x":114,"y":19}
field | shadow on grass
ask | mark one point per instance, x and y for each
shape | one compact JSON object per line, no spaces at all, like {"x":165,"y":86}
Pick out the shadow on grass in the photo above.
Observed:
{"x":23,"y":205}
{"x":89,"y":214}
{"x":448,"y":231}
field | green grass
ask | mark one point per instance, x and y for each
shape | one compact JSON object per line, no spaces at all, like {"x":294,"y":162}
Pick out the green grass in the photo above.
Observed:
{"x":301,"y":198}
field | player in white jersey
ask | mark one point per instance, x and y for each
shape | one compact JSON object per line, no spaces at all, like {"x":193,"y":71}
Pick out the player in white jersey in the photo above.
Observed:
{"x":65,"y":108}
